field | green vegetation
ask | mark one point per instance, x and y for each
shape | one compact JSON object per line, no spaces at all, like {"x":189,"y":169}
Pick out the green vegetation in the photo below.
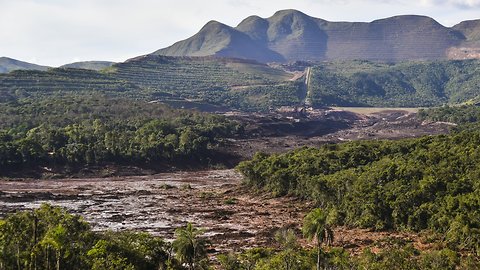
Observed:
{"x":461,"y":115}
{"x":50,"y":238}
{"x":232,"y":83}
{"x":189,"y":248}
{"x":241,"y":84}
{"x":430,"y":183}
{"x":393,"y":254}
{"x":318,"y":225}
{"x":74,"y":131}
{"x":410,"y":84}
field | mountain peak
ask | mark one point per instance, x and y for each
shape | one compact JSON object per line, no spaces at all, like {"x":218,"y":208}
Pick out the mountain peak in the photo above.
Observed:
{"x":289,"y":12}
{"x":470,"y":29}
{"x":409,"y":20}
{"x":215,"y":24}
{"x":292,"y":35}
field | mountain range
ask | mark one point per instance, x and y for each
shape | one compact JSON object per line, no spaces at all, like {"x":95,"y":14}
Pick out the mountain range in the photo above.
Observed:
{"x":290,"y":35}
{"x":9,"y":64}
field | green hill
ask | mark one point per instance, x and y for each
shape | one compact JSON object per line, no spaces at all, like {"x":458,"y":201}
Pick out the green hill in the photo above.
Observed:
{"x":426,"y":84}
{"x":21,"y":84}
{"x":92,"y":65}
{"x":180,"y":81}
{"x":203,"y":82}
{"x":234,"y":83}
{"x":9,"y":64}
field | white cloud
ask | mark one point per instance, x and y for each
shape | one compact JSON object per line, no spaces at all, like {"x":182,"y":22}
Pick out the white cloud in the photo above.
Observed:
{"x":458,"y":3}
{"x":55,"y":31}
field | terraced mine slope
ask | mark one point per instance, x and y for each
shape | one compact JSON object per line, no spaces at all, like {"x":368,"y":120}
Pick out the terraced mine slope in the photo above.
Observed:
{"x":29,"y":83}
{"x":92,"y":65}
{"x":180,"y":81}
{"x":219,"y":84}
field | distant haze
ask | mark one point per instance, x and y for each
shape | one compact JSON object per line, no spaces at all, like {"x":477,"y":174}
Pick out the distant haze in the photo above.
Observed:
{"x":57,"y":32}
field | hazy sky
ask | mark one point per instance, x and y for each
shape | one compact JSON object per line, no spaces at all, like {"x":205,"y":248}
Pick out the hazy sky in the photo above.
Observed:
{"x":56,"y":32}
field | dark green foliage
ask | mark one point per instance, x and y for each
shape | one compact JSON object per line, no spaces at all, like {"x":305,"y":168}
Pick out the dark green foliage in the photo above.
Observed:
{"x":124,"y":250}
{"x":426,"y":183}
{"x":459,"y":115}
{"x":424,"y":84}
{"x":79,"y":130}
{"x":190,"y":249}
{"x":392,"y":256}
{"x":50,"y":238}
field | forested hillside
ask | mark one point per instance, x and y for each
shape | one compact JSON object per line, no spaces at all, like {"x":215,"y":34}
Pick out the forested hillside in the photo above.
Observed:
{"x":410,"y":84}
{"x":429,"y":183}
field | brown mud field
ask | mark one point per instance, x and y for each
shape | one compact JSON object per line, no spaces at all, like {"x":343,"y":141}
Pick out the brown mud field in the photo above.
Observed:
{"x":233,"y":219}
{"x":273,"y":133}
{"x":160,"y":203}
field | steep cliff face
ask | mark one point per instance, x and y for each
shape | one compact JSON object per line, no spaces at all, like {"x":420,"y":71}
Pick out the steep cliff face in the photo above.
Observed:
{"x":290,"y":35}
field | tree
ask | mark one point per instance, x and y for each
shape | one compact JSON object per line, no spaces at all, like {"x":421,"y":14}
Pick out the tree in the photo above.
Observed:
{"x":57,"y":238}
{"x":103,"y":257}
{"x":190,"y":249}
{"x":318,"y":225}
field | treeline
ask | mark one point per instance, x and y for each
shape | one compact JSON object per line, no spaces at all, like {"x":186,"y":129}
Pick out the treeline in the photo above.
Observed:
{"x":461,"y":115}
{"x":51,"y":238}
{"x":391,"y":254}
{"x":430,"y":183}
{"x":98,"y":130}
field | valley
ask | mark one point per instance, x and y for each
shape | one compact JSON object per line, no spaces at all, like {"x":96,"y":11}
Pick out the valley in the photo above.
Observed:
{"x":286,"y":142}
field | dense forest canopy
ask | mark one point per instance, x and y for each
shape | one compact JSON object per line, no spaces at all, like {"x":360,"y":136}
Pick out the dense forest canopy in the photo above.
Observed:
{"x":429,"y":183}
{"x":72,"y":130}
{"x":408,"y":84}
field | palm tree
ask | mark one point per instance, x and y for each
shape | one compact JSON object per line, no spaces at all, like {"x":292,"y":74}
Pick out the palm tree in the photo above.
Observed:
{"x":189,"y":248}
{"x":318,"y":225}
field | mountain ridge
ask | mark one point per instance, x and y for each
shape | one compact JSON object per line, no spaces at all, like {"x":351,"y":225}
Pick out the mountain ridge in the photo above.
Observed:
{"x":291,"y":35}
{"x":9,"y":64}
{"x":91,"y":65}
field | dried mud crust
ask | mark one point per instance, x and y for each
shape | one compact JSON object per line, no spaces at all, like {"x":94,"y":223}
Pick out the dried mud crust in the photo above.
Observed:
{"x":283,"y":132}
{"x":232,"y":217}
